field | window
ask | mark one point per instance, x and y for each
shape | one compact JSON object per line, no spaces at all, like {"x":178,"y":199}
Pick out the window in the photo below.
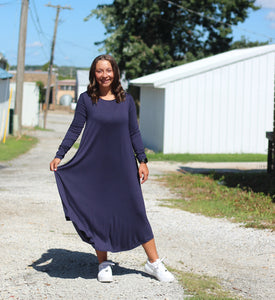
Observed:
{"x":67,"y":87}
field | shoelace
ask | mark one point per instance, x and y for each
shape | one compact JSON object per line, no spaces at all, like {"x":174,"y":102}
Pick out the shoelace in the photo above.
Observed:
{"x":160,"y":265}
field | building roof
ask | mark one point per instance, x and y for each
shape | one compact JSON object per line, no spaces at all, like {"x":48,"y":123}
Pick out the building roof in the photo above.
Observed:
{"x":4,"y":74}
{"x":66,"y":82}
{"x":82,"y":77}
{"x":34,"y":76}
{"x":161,"y":78}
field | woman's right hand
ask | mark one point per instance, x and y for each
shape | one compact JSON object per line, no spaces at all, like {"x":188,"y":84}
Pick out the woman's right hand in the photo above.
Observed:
{"x":54,"y":163}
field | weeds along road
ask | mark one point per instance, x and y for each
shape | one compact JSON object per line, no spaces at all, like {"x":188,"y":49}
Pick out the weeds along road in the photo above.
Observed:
{"x":43,"y":257}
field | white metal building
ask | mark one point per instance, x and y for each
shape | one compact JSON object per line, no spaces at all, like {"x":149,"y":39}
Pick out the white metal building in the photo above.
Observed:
{"x":30,"y":104}
{"x":4,"y":100}
{"x":220,"y":104}
{"x":82,"y":81}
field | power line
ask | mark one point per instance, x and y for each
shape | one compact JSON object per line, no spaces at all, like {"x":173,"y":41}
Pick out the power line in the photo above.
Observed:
{"x":38,"y":20}
{"x":64,"y":55}
{"x":6,"y":3}
{"x":220,"y":22}
{"x":58,"y":7}
{"x":39,"y":33}
{"x":75,"y":45}
{"x":35,"y":18}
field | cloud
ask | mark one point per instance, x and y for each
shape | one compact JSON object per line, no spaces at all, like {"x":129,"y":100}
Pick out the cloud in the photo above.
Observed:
{"x":266,"y":3}
{"x":35,"y":44}
{"x":271,"y":16}
{"x":270,"y":5}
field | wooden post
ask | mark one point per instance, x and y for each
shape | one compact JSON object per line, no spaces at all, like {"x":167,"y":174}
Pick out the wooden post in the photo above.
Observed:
{"x":17,"y":118}
{"x":58,"y":7}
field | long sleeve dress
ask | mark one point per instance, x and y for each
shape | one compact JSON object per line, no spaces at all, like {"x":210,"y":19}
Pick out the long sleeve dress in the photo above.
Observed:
{"x":100,"y":186}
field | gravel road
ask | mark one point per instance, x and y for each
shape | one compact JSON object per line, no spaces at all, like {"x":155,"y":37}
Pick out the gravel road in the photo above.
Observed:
{"x":43,"y":258}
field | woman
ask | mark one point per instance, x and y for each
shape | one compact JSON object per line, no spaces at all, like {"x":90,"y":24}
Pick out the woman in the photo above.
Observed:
{"x":100,"y":186}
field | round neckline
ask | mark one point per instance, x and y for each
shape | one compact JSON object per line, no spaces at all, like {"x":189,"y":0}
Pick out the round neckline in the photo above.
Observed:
{"x":107,"y":100}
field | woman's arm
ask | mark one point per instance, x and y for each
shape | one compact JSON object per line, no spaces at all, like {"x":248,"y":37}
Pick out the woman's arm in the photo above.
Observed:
{"x":137,"y":141}
{"x":72,"y":134}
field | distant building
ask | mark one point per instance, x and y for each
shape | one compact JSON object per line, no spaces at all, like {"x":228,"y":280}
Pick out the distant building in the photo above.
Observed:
{"x":65,"y":87}
{"x":82,"y":81}
{"x":219,"y":104}
{"x":34,"y":76}
{"x":4,"y":100}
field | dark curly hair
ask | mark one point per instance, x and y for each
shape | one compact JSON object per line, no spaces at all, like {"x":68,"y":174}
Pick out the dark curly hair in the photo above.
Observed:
{"x":93,"y":88}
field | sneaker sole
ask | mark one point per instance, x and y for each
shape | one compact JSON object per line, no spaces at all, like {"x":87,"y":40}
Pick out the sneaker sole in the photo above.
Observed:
{"x":105,"y":280}
{"x":150,"y":272}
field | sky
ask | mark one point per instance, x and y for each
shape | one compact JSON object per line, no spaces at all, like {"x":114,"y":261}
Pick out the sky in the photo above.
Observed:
{"x":75,"y":38}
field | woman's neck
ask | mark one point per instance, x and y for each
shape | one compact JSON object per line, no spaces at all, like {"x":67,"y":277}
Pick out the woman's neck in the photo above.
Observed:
{"x":106,"y":94}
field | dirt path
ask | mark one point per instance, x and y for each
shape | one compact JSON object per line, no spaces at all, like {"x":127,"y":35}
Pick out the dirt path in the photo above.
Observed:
{"x":43,"y":257}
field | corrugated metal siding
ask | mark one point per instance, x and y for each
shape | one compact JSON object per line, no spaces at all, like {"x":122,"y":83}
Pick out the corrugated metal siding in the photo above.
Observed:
{"x":4,"y":104}
{"x":30,"y":105}
{"x":226,"y":110}
{"x":152,"y":117}
{"x":82,"y":81}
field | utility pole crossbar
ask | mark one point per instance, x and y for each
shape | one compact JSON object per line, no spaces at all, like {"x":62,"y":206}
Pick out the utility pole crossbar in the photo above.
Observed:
{"x":58,"y":7}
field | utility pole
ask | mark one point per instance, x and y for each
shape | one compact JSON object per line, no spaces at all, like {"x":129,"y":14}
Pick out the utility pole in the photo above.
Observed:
{"x":17,"y":118}
{"x":58,"y":7}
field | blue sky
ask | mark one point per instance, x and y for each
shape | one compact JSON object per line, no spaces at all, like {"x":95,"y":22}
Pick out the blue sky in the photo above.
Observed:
{"x":75,"y":38}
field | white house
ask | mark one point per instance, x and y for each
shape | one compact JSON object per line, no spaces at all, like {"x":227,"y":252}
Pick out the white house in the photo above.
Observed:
{"x":4,"y":101}
{"x":220,"y":104}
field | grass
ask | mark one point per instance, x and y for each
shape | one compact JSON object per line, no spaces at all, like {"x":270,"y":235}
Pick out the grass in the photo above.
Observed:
{"x":241,"y":197}
{"x":15,"y":146}
{"x":186,"y":157}
{"x":202,"y":287}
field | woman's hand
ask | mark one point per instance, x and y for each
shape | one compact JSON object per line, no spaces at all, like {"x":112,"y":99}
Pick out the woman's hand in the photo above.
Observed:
{"x":143,"y":172}
{"x":54,"y":163}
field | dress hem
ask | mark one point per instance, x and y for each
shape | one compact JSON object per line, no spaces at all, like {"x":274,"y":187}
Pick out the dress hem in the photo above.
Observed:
{"x":135,"y":245}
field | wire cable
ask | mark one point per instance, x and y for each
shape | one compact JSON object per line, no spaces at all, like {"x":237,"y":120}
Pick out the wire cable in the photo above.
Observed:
{"x":39,"y":34}
{"x":220,"y":22}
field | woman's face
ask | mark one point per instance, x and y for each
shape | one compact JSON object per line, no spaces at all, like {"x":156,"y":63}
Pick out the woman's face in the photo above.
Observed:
{"x":104,"y":74}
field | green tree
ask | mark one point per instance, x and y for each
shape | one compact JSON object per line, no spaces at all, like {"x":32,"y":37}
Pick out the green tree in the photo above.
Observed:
{"x":151,"y":35}
{"x":245,"y":43}
{"x":42,"y":91}
{"x":45,"y":67}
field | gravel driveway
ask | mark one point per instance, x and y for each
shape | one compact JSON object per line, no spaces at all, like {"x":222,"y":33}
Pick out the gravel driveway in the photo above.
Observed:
{"x":43,"y":258}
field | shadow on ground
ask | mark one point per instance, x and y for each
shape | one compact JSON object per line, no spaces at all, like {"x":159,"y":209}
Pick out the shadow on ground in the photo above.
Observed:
{"x":258,"y":181}
{"x":219,"y":171}
{"x":73,"y":264}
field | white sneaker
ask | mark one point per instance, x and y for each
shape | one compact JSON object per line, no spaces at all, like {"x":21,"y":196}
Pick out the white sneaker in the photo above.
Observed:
{"x":158,"y":270}
{"x":105,"y":272}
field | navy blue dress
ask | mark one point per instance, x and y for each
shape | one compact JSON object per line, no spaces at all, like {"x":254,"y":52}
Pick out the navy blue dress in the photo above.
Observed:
{"x":100,"y":187}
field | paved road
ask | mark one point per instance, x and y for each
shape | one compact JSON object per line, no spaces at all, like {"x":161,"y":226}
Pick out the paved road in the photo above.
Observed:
{"x":43,"y":258}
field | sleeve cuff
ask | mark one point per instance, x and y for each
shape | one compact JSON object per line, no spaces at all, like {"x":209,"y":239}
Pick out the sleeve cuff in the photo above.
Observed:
{"x":144,"y":160}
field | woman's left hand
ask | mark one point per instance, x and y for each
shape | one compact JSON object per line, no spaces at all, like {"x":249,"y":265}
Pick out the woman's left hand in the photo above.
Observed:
{"x":143,"y":172}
